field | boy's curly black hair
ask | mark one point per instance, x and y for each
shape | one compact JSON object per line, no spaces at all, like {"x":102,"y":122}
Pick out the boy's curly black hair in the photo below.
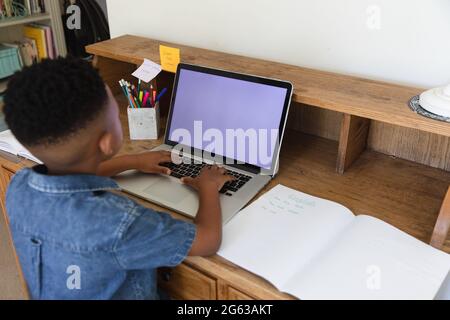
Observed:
{"x":48,"y":101}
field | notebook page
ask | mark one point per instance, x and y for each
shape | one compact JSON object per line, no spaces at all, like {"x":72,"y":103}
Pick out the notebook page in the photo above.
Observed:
{"x":281,"y":232}
{"x":10,"y":144}
{"x":26,"y":154}
{"x":373,"y":260}
{"x":444,"y":290}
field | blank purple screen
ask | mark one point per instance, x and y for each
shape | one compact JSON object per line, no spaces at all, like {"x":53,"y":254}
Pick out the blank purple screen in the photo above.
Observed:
{"x":224,"y":103}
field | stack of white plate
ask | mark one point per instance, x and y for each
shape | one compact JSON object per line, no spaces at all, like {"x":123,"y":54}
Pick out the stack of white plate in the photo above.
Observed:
{"x":437,"y":101}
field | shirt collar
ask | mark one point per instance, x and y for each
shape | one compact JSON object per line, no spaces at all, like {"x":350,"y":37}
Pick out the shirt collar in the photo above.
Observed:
{"x":40,"y":180}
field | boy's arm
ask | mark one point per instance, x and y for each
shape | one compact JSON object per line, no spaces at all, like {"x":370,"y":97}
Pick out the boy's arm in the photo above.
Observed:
{"x":209,"y":218}
{"x":148,"y":162}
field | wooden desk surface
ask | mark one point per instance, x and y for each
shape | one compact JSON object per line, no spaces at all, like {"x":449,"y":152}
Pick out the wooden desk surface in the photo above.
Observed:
{"x":402,"y":193}
{"x":375,"y":100}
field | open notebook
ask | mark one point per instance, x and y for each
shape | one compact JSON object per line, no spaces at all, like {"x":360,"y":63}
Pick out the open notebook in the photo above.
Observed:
{"x":313,"y":248}
{"x":10,"y":144}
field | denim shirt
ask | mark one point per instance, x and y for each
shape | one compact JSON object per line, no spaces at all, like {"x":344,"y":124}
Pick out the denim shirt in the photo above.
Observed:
{"x":76,"y":239}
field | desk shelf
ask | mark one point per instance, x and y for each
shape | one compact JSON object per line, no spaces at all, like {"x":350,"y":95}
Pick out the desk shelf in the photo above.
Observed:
{"x":9,"y":22}
{"x":359,"y":100}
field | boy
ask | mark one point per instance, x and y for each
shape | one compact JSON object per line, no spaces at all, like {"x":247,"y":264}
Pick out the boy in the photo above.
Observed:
{"x":75,"y":237}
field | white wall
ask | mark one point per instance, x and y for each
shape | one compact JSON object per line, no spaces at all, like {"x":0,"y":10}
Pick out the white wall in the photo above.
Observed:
{"x":411,"y":46}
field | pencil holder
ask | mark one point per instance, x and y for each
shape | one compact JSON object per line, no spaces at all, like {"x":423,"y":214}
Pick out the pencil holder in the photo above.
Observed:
{"x":143,"y":123}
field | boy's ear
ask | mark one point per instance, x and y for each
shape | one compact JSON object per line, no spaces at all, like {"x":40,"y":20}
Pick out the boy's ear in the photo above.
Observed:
{"x":106,"y":144}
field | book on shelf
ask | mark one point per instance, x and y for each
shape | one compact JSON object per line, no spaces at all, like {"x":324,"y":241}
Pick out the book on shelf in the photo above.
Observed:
{"x":20,"y":8}
{"x":38,"y":35}
{"x":36,"y":6}
{"x":9,"y":143}
{"x":51,"y":52}
{"x":3,"y":86}
{"x":27,"y":51}
{"x":313,"y":248}
{"x":43,"y":37}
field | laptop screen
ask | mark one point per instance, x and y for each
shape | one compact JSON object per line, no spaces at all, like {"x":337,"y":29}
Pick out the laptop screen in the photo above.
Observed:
{"x":227,"y":116}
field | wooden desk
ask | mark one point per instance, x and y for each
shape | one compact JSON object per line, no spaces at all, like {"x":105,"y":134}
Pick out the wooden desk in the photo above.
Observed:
{"x":402,"y":193}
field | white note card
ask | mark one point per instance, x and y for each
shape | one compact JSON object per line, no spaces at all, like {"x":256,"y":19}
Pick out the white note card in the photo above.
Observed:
{"x":147,"y":71}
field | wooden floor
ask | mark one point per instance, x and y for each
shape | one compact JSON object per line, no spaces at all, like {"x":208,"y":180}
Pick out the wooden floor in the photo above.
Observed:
{"x":402,"y":193}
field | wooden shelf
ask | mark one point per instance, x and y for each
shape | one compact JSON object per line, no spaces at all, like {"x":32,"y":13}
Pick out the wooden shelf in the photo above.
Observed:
{"x":24,"y":20}
{"x":359,"y":100}
{"x":369,"y":99}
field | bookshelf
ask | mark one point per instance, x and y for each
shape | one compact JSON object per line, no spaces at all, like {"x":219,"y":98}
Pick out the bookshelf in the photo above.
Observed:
{"x":11,"y":29}
{"x":24,"y":20}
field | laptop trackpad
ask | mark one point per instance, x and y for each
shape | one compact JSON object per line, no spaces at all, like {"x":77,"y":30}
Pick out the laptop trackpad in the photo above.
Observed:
{"x":168,"y":191}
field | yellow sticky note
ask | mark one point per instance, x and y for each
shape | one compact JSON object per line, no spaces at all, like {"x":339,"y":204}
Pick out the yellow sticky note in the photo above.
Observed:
{"x":170,"y":58}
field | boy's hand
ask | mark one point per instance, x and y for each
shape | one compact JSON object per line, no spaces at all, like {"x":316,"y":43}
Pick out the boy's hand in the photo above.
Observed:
{"x":149,"y":162}
{"x":211,"y":177}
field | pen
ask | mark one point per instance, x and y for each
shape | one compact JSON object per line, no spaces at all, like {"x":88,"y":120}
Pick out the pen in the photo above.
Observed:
{"x":129,"y":94}
{"x":125,"y":92}
{"x":144,"y":102}
{"x":133,"y":102}
{"x":160,"y":94}
{"x":137,"y":102}
{"x":122,"y":87}
{"x":154,"y":98}
{"x":133,"y":89}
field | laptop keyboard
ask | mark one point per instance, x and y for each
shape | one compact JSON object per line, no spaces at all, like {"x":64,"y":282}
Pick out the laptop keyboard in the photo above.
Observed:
{"x":193,"y":170}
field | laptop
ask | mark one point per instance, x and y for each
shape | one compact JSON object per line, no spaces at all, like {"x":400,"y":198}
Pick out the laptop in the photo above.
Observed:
{"x":217,"y":117}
